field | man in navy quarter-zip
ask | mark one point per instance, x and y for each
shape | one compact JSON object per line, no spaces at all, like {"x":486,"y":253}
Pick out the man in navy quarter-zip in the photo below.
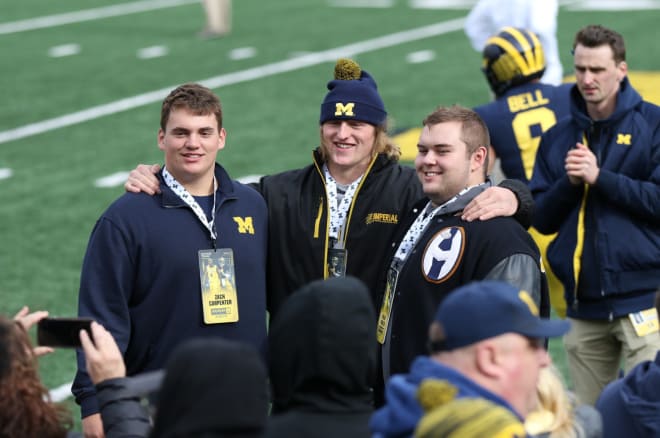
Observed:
{"x":596,"y":182}
{"x":189,"y":262}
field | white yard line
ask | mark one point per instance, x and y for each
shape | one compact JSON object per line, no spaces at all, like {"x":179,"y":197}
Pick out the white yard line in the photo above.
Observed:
{"x":89,"y":14}
{"x":61,"y":393}
{"x":250,"y":74}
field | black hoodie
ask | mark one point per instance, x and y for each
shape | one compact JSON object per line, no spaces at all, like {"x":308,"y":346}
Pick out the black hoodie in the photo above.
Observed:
{"x":323,"y":361}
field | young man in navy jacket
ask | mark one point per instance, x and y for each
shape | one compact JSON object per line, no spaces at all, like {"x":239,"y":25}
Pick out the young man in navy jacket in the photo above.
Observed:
{"x":596,"y":182}
{"x":151,"y":274}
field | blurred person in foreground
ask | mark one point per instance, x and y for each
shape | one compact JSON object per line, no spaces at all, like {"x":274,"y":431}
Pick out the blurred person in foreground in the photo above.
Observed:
{"x":596,"y":183}
{"x":323,"y":361}
{"x":26,"y":408}
{"x":557,"y":414}
{"x":211,"y":387}
{"x":631,"y":405}
{"x":486,"y":341}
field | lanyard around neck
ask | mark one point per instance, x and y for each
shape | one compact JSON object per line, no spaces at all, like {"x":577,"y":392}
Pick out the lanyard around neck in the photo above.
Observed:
{"x":338,"y":210}
{"x":186,"y":197}
{"x":419,"y":225}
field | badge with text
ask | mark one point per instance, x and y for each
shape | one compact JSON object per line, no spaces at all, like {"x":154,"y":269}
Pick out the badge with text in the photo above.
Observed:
{"x":386,"y":306}
{"x":644,"y":322}
{"x":337,"y":262}
{"x":216,"y":273}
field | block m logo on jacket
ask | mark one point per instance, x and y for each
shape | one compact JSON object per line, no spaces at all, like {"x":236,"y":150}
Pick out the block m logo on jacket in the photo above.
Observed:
{"x":624,"y":139}
{"x":244,"y":224}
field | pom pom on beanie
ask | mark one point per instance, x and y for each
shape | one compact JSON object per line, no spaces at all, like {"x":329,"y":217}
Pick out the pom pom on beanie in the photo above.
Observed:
{"x":353,"y":95}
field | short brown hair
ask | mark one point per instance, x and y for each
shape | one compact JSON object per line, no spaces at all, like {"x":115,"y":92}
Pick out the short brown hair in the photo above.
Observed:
{"x":474,"y":131}
{"x":596,"y":35}
{"x":196,"y":98}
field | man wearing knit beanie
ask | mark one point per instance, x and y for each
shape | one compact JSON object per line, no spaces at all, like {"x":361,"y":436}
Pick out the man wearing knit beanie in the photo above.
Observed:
{"x":337,"y":216}
{"x":353,"y":95}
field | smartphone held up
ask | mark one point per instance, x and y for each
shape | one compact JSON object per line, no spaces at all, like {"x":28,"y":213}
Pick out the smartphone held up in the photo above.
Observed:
{"x":62,"y":332}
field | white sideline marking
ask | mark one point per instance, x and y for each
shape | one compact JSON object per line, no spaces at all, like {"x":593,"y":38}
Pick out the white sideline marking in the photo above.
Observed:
{"x":442,"y":4}
{"x":114,"y":180}
{"x":361,"y":3}
{"x":420,"y":56}
{"x":6,"y":173}
{"x":614,"y":5}
{"x":61,"y":393}
{"x":152,"y":52}
{"x":247,"y":179}
{"x":242,"y":53}
{"x":64,"y":50}
{"x":250,"y":74}
{"x":88,"y":15}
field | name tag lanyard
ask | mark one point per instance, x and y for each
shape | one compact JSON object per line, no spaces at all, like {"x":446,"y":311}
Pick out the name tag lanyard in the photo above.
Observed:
{"x":418,"y":226}
{"x":338,"y":210}
{"x":186,"y":197}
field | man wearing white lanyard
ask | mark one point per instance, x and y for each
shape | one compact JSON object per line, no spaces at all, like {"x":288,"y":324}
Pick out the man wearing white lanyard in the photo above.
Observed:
{"x":150,"y":261}
{"x":438,"y":251}
{"x":338,"y":215}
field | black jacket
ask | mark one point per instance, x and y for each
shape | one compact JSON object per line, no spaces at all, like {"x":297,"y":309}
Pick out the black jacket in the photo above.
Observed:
{"x":298,"y":224}
{"x":323,"y":345}
{"x":496,"y":249}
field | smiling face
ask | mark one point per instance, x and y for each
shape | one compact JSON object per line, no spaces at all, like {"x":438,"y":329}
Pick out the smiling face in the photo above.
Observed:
{"x":443,"y":163}
{"x":191,"y":143}
{"x":348,"y":148}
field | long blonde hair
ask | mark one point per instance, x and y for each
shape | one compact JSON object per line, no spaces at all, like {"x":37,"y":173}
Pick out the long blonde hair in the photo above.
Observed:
{"x":554,"y":413}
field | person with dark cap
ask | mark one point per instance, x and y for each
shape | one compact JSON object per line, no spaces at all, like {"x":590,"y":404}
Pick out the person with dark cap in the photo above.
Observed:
{"x":339,"y":213}
{"x":631,"y":406}
{"x":210,"y":387}
{"x":486,"y":341}
{"x":323,"y":361}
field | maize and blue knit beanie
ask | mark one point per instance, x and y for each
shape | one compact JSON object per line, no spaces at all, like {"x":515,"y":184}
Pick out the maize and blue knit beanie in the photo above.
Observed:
{"x":353,"y":95}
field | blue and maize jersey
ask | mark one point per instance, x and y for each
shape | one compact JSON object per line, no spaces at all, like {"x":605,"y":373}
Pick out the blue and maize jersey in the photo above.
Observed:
{"x":516,"y":121}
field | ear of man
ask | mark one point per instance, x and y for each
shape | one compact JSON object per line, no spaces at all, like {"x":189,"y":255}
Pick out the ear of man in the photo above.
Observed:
{"x":488,"y":358}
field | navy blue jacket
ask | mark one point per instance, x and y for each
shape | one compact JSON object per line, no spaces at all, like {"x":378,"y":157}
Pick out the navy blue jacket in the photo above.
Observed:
{"x":402,"y":413}
{"x":140,"y":276}
{"x":620,"y":234}
{"x":631,"y":406}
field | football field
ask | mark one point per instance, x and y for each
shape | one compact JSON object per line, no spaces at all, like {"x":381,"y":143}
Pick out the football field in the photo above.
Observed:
{"x":83,"y":83}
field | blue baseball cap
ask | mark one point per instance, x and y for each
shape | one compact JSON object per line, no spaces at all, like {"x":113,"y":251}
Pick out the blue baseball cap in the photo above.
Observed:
{"x":485,"y":309}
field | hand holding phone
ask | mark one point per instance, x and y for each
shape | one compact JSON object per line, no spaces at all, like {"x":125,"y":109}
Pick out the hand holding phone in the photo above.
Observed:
{"x":62,"y":332}
{"x":103,"y":357}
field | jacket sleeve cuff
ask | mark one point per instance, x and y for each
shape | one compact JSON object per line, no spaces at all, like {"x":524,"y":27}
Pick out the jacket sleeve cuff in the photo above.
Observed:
{"x":88,"y":405}
{"x":525,"y":211}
